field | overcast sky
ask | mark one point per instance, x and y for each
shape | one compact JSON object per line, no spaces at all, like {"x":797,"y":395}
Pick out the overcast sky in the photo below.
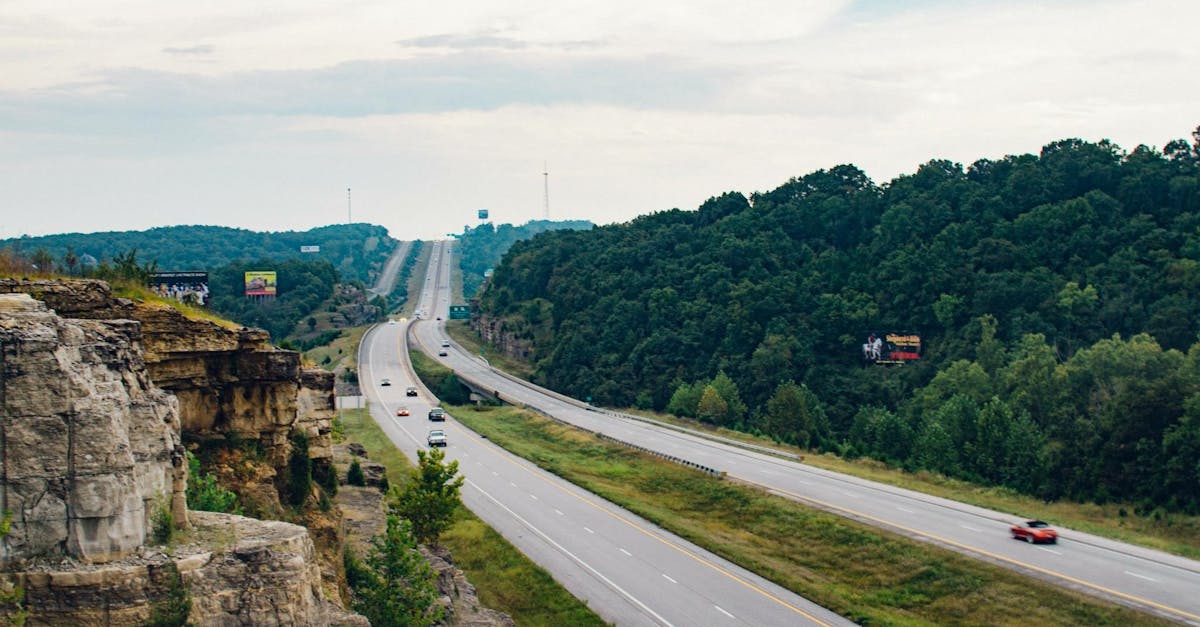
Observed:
{"x":130,"y":114}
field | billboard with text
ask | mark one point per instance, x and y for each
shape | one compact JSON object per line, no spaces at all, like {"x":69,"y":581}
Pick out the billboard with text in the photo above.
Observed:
{"x":260,"y":283}
{"x":891,"y":347}
{"x":185,"y":287}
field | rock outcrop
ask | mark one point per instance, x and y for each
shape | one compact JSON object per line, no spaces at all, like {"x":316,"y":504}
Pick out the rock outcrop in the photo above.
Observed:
{"x":92,"y":460}
{"x":228,"y":381}
{"x":87,"y":441}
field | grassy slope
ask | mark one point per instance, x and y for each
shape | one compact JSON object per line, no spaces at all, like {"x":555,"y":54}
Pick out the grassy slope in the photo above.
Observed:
{"x":1173,"y":533}
{"x":504,"y":578}
{"x":870,"y":576}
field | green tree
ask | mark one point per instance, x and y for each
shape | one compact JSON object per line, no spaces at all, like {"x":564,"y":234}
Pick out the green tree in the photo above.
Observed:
{"x":298,"y":481}
{"x":396,"y":586}
{"x":711,"y":408}
{"x":354,"y":476}
{"x":685,"y":400}
{"x":735,"y":409}
{"x":205,"y":494}
{"x":796,"y":415}
{"x":431,"y":495}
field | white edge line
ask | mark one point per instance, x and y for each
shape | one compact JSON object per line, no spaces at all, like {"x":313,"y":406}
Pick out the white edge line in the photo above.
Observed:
{"x":571,"y":555}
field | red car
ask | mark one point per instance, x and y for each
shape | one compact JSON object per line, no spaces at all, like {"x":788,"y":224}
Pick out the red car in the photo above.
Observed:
{"x":1034,"y":531}
{"x":403,"y":411}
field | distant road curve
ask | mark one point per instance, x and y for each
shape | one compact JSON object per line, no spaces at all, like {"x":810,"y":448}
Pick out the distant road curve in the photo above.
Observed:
{"x":387,"y":279}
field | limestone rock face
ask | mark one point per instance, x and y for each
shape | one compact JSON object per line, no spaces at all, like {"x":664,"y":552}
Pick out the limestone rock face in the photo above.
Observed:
{"x":227,"y":381}
{"x":236,"y":570}
{"x":87,"y":439}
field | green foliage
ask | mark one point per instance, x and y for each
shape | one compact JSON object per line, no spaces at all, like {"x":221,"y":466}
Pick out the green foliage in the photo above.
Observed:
{"x":12,"y":596}
{"x":162,"y":524}
{"x":355,"y":476}
{"x":483,"y":246}
{"x":205,"y":494}
{"x":298,"y":479}
{"x":356,"y":251}
{"x":431,"y":495}
{"x":395,"y":586}
{"x":1022,"y":275}
{"x":173,"y":608}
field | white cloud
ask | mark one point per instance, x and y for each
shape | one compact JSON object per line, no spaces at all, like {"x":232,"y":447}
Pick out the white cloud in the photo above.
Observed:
{"x":132,"y":113}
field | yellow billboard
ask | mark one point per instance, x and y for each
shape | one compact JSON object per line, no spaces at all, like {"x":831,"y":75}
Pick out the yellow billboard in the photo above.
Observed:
{"x":260,"y":283}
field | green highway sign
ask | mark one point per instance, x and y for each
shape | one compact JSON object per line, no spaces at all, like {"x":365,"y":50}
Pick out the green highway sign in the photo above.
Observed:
{"x":460,"y":312}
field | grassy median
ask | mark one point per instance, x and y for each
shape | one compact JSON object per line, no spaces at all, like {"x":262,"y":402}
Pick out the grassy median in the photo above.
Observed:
{"x":870,"y":576}
{"x":503,"y":577}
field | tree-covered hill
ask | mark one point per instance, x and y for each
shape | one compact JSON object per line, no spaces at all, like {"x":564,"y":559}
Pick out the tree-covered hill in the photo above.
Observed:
{"x":356,"y":251}
{"x":1056,"y":296}
{"x":483,"y":246}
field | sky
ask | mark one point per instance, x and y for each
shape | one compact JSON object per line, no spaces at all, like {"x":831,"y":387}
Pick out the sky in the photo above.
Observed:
{"x":130,"y":114}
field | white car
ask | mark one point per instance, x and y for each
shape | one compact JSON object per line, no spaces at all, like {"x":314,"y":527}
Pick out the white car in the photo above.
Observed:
{"x":436,"y":437}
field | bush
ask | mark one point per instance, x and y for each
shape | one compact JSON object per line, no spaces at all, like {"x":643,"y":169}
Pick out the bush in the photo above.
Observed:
{"x":298,"y":482}
{"x":354,"y":476}
{"x":205,"y":494}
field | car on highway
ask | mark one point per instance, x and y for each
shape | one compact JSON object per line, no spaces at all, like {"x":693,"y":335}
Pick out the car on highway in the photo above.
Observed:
{"x":385,"y":382}
{"x":445,"y":343}
{"x":1034,"y":531}
{"x":436,"y":437}
{"x":410,"y":391}
{"x":391,"y":322}
{"x":437,"y":414}
{"x":402,"y":411}
{"x":442,"y":353}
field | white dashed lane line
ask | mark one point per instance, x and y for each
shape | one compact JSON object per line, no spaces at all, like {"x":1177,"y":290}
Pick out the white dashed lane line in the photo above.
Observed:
{"x":668,"y":578}
{"x":722,"y":610}
{"x":1132,"y":574}
{"x":627,"y":552}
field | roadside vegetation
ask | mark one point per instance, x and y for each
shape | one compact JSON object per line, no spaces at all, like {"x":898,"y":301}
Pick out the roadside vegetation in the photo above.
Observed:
{"x":504,"y":578}
{"x":869,"y":576}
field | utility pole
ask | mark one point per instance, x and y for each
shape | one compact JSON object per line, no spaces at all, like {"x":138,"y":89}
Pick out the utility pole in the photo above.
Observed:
{"x":348,"y":219}
{"x":545,"y":191}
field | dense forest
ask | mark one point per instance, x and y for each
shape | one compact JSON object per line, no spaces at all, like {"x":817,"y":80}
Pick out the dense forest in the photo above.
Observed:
{"x":483,"y":246}
{"x":356,"y":251}
{"x":1056,"y":297}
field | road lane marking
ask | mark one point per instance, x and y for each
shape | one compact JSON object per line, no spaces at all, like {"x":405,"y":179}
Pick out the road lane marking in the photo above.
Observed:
{"x":849,"y":494}
{"x":1049,"y":550}
{"x":596,"y":504}
{"x":612,"y":584}
{"x":970,"y":528}
{"x":588,"y":530}
{"x":668,"y":578}
{"x":1133,"y":574}
{"x":559,"y":512}
{"x":905,"y":510}
{"x":721,"y":610}
{"x":626,"y":552}
{"x":533,"y":496}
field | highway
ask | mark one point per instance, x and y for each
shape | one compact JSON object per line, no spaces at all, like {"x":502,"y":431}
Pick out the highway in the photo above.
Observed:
{"x":1164,"y":584}
{"x":628,"y":570}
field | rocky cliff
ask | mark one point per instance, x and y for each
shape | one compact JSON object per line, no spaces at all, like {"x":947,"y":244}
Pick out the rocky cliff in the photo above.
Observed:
{"x":91,"y":459}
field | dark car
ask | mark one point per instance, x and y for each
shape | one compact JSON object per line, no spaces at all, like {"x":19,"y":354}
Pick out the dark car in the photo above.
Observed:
{"x":437,"y":413}
{"x":411,"y":391}
{"x":385,"y":382}
{"x":1034,"y":531}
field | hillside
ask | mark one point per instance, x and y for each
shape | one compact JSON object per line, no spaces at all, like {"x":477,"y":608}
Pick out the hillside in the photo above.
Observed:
{"x":483,"y":246}
{"x":1054,"y":295}
{"x":356,"y":251}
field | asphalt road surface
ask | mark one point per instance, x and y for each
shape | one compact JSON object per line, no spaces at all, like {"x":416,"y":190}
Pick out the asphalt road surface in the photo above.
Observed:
{"x":628,"y":570}
{"x":1157,"y":582}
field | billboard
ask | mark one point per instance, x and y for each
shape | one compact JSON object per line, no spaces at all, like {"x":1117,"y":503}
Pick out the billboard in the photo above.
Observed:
{"x":483,"y":214}
{"x":185,"y":287}
{"x":260,"y":283}
{"x":310,"y":249}
{"x":892,"y":347}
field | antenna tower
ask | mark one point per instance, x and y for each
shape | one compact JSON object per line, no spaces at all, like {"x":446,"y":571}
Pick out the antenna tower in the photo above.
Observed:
{"x":545,"y":191}
{"x":348,"y":219}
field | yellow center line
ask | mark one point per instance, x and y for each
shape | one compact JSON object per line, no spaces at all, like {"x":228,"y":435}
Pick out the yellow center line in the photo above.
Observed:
{"x":643,"y":531}
{"x":967,"y":547}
